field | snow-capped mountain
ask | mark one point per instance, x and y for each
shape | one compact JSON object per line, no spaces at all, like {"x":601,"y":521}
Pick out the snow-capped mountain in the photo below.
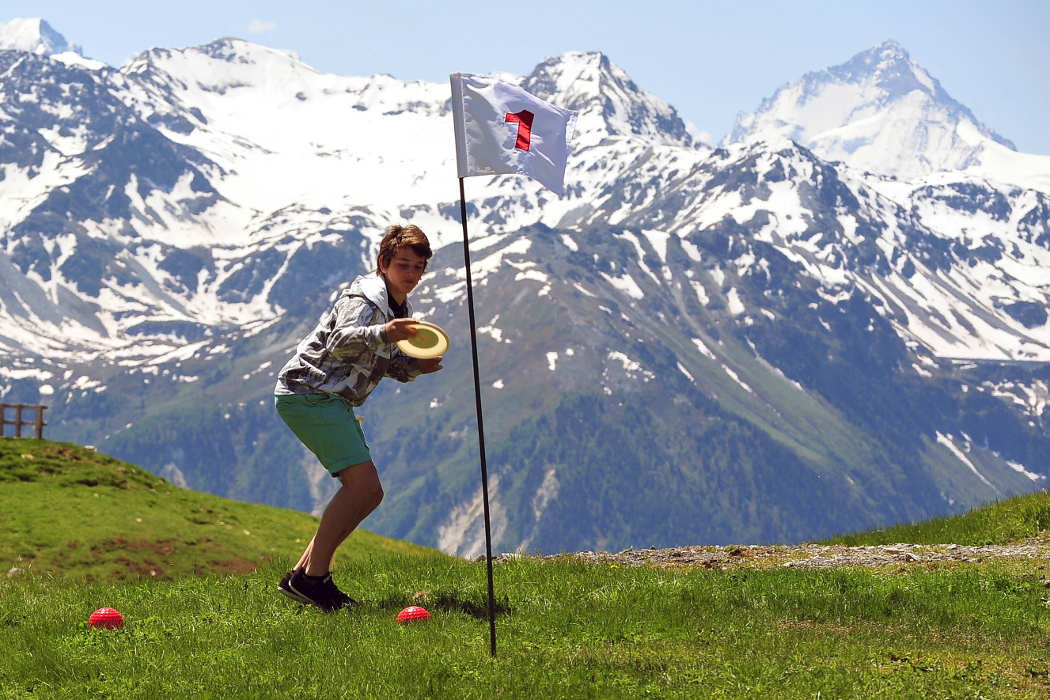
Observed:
{"x":882,"y":112}
{"x":724,"y":340}
{"x":33,"y":35}
{"x":228,"y":145}
{"x":609,"y":102}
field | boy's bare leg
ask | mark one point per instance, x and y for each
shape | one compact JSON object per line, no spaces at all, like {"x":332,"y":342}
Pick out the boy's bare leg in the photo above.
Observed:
{"x":360,"y":494}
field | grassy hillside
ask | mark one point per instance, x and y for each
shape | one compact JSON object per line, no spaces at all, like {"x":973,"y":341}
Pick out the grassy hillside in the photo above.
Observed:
{"x":565,"y":629}
{"x":71,"y":512}
{"x":1011,"y":520}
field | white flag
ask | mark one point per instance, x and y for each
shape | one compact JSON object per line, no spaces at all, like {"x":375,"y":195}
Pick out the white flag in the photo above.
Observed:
{"x":501,"y":129}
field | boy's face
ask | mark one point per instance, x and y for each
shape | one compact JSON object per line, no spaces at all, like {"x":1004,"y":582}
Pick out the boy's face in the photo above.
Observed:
{"x":403,"y":273}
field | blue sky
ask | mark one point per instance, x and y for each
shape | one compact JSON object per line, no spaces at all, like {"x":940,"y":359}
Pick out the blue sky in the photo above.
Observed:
{"x":710,"y":59}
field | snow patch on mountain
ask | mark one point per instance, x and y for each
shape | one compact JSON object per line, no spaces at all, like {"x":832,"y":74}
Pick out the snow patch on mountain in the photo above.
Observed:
{"x":960,"y":455}
{"x":626,"y":284}
{"x":1020,"y":468}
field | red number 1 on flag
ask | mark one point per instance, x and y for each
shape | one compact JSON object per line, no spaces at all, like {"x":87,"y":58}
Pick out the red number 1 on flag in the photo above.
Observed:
{"x":524,"y":120}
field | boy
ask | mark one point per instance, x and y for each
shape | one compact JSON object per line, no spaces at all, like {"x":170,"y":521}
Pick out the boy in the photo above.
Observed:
{"x":333,"y":370}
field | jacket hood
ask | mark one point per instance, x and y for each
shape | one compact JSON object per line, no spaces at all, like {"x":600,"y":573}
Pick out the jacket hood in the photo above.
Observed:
{"x":372,"y":287}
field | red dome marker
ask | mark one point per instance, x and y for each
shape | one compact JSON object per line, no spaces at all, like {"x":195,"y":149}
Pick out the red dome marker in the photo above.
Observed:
{"x":413,"y":613}
{"x":106,"y":617}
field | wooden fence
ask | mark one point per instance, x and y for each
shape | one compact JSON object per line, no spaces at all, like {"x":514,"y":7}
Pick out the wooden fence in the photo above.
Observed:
{"x":18,"y":421}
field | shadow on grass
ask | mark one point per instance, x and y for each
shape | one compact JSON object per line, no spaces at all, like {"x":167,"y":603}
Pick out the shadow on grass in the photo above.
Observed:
{"x":448,"y":603}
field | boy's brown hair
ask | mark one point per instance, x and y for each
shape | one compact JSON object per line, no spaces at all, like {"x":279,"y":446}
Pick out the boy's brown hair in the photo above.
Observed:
{"x":398,"y":236}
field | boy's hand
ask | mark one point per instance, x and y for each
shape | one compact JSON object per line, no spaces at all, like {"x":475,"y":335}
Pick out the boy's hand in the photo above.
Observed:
{"x":431,"y":364}
{"x":399,"y":329}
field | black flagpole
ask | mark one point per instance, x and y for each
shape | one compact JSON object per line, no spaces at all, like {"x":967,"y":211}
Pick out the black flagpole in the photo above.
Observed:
{"x":481,"y":424}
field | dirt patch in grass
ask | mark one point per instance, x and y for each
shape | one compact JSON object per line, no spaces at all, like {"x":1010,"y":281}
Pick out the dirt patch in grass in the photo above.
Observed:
{"x":811,"y":556}
{"x":237,"y":565}
{"x":154,"y":558}
{"x":145,"y":568}
{"x":159,"y":547}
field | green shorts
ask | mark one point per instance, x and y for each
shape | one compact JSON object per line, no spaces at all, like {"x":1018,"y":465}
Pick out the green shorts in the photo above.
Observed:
{"x":327,"y":425}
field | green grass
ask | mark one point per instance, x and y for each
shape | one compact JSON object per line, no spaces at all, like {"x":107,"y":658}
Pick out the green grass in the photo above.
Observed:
{"x":1011,"y":520}
{"x":565,"y":629}
{"x":70,"y":512}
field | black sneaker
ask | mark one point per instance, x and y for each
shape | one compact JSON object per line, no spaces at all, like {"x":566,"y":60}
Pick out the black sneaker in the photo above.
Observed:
{"x":321,"y":592}
{"x":285,"y":587}
{"x":344,"y":600}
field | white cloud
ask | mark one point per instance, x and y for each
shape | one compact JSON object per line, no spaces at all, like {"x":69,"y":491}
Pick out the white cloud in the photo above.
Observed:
{"x":696,"y":133}
{"x":261,"y":26}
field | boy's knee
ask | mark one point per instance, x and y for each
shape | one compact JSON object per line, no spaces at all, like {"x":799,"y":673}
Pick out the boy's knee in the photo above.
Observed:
{"x":364,"y":481}
{"x":376,"y":496}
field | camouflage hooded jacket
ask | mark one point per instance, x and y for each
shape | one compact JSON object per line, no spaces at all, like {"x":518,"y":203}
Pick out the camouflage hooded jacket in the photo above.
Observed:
{"x":348,"y":352}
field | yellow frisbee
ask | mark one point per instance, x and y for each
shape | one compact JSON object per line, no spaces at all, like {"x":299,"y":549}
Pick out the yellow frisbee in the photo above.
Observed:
{"x":429,"y":341}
